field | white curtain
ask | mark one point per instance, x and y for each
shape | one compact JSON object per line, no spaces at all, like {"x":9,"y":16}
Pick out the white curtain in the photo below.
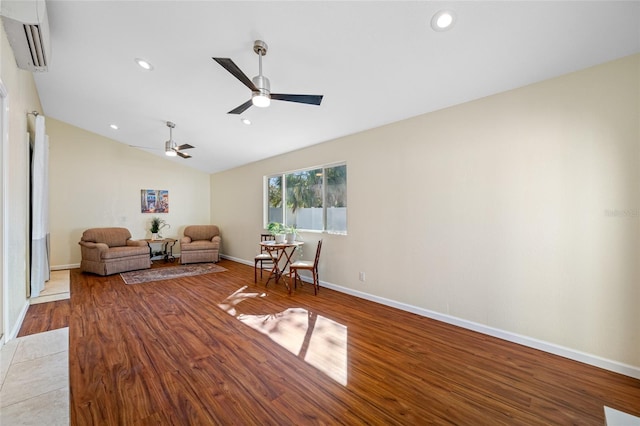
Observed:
{"x":40,"y":272}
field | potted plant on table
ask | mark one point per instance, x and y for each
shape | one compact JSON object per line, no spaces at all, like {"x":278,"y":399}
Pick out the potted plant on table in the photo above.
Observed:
{"x":157,"y":225}
{"x":277,"y":230}
{"x":291,"y":233}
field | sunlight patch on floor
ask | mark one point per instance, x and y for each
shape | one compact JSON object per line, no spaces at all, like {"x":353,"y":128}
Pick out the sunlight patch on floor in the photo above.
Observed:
{"x":318,"y":340}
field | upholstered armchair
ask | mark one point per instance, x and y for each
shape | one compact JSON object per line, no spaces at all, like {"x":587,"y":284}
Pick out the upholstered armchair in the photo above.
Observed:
{"x":201,"y":243}
{"x":107,"y":251}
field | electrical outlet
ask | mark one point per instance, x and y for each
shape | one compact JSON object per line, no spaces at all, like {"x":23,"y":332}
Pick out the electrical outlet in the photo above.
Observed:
{"x":362,"y":276}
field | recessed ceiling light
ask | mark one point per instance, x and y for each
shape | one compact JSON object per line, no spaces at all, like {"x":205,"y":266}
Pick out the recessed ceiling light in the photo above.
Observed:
{"x":114,"y":126}
{"x":443,"y":20}
{"x":142,"y":63}
{"x":245,"y":120}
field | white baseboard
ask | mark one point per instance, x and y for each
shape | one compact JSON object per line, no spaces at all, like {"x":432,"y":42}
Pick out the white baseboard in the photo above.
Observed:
{"x":235,"y":259}
{"x":77,"y":265}
{"x":607,"y":364}
{"x":63,"y":267}
{"x":16,"y":327}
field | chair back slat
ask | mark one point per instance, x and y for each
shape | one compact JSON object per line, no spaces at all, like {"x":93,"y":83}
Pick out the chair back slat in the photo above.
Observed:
{"x":317,"y":259}
{"x":263,"y":238}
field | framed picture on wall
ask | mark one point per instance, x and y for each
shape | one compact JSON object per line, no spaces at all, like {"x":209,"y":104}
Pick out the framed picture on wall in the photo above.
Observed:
{"x":154,"y":200}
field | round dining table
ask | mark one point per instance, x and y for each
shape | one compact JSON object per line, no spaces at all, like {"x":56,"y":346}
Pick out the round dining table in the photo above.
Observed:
{"x":281,"y":254}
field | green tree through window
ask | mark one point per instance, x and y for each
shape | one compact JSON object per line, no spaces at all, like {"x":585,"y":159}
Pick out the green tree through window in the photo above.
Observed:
{"x":314,"y":199}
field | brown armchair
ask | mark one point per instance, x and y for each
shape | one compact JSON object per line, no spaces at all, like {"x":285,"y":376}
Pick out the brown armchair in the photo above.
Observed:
{"x":107,"y":251}
{"x":201,"y":243}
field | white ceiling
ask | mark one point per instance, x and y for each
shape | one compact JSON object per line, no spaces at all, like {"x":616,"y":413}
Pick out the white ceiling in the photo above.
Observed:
{"x":374,"y":62}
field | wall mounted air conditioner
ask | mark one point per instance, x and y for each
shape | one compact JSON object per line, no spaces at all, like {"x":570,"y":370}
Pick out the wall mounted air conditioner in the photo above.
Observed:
{"x":27,"y":28}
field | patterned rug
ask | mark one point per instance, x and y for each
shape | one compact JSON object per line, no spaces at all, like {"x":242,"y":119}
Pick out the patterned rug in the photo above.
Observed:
{"x":170,"y":272}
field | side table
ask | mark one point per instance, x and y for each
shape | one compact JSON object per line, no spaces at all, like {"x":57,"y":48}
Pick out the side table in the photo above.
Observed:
{"x":166,"y":248}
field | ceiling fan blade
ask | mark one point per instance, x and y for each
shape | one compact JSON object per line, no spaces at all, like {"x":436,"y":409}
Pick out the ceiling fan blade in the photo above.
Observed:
{"x":303,"y":99}
{"x":144,"y":147}
{"x":183,"y":155}
{"x":230,"y":66}
{"x":242,"y":108}
{"x":183,"y":146}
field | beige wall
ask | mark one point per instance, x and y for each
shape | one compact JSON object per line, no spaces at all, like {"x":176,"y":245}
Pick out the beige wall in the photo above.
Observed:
{"x":519,"y":212}
{"x":23,"y":98}
{"x":96,"y":182}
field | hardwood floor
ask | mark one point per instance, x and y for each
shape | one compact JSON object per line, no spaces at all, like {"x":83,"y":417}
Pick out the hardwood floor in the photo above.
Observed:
{"x":217,"y":349}
{"x":46,"y":317}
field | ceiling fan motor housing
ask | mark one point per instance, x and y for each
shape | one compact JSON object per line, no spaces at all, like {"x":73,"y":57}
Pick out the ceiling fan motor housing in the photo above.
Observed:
{"x":263,"y":85}
{"x":169,"y":150}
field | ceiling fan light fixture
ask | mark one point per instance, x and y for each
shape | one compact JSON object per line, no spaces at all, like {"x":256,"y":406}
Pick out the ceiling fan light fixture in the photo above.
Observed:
{"x":261,"y":100}
{"x":443,"y":20}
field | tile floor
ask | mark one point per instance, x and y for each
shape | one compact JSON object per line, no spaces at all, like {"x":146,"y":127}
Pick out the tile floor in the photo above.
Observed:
{"x":57,"y":288}
{"x":618,"y":418}
{"x":34,"y":370}
{"x":34,"y":379}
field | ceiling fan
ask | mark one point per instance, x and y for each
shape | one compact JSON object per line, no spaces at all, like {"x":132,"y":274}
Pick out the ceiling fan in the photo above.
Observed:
{"x":171,"y":148}
{"x":260,"y":88}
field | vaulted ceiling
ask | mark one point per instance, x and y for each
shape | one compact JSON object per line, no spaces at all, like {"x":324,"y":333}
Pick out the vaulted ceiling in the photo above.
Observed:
{"x":374,"y":62}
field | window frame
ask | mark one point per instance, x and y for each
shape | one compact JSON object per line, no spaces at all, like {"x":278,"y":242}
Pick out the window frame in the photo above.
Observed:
{"x":283,"y":176}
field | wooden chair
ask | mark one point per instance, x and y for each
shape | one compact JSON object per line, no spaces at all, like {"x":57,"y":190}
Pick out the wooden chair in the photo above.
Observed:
{"x":262,"y":258}
{"x":308,"y":266}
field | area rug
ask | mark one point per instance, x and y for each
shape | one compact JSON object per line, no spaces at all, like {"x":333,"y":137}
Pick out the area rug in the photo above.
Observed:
{"x":168,"y":273}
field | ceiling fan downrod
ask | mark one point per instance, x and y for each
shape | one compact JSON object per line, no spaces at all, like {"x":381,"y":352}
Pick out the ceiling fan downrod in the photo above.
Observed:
{"x":171,"y":126}
{"x":261,"y":98}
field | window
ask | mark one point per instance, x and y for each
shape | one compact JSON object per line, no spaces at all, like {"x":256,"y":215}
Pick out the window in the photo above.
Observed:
{"x":312,"y":199}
